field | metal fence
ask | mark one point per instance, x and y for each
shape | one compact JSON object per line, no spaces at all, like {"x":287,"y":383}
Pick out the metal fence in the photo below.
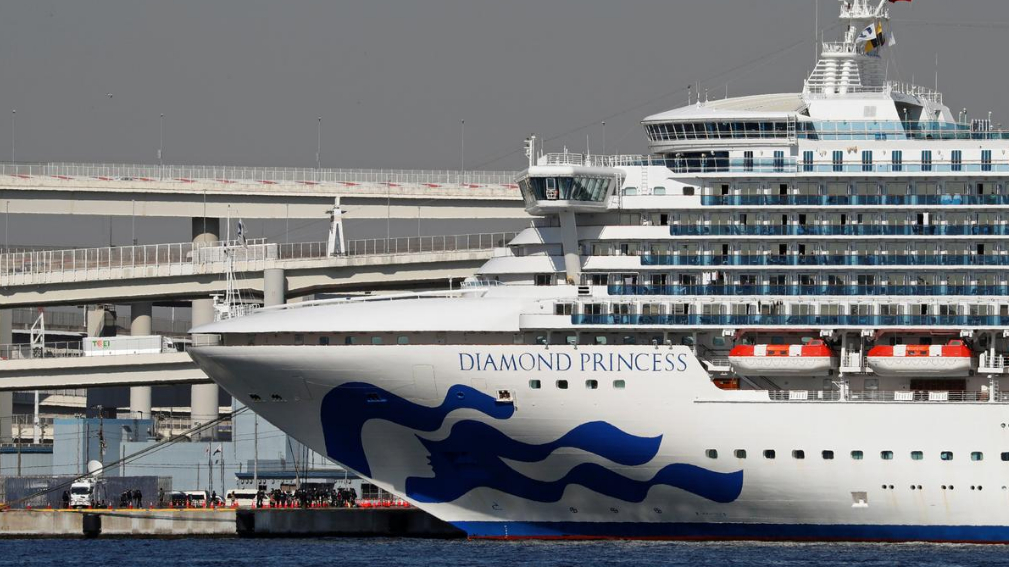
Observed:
{"x":259,"y":175}
{"x":89,"y":260}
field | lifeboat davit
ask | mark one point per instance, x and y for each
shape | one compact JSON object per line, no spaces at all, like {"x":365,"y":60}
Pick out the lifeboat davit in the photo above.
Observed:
{"x":951,"y":359}
{"x":811,"y":359}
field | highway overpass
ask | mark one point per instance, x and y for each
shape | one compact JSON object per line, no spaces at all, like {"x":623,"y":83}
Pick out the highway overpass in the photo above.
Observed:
{"x":255,"y":192}
{"x":186,"y":271}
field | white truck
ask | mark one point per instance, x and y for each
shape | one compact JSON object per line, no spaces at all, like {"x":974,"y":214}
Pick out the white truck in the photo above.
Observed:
{"x":87,"y":493}
{"x":110,"y":346}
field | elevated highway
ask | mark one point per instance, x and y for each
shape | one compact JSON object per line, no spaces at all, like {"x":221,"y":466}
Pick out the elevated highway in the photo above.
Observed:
{"x":185,"y":271}
{"x":255,"y":192}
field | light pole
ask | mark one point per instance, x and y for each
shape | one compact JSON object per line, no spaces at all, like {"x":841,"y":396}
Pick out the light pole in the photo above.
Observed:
{"x":318,"y":151}
{"x":462,"y":152}
{"x":13,"y":155}
{"x":604,"y":137}
{"x":161,"y":144}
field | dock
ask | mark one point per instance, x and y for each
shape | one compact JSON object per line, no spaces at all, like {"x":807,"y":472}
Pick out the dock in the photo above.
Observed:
{"x":225,"y":522}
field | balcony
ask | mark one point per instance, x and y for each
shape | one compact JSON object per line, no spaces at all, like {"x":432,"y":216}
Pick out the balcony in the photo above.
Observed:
{"x":814,"y":259}
{"x":806,"y":290}
{"x":851,"y":200}
{"x":839,"y":230}
{"x":761,"y":320}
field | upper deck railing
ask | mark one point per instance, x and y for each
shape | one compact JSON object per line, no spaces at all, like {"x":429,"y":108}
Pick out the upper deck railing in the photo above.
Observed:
{"x":251,"y":175}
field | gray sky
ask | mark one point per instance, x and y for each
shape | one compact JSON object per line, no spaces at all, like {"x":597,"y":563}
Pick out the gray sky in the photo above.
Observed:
{"x":242,"y":82}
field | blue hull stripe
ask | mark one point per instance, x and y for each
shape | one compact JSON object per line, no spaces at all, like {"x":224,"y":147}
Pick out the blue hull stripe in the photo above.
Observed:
{"x":700,"y":531}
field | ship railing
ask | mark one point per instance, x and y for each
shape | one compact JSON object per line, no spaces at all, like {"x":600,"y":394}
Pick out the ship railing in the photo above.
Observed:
{"x":988,"y":363}
{"x":890,"y":396}
{"x":185,"y":174}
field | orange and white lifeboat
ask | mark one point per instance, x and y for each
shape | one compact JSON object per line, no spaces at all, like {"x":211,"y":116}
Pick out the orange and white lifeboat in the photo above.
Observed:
{"x":811,"y":359}
{"x":951,"y":359}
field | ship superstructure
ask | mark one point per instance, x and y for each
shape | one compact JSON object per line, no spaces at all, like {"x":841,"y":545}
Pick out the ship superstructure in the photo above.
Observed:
{"x":789,"y":321}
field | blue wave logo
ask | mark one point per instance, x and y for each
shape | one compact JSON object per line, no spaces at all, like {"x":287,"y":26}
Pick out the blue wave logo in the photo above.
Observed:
{"x":472,"y":454}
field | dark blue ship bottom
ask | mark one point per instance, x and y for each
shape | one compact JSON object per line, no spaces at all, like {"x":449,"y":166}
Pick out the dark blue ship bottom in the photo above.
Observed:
{"x":726,"y":531}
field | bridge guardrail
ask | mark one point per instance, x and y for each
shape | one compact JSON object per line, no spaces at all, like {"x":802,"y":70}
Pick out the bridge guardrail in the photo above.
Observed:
{"x":85,"y":262}
{"x":257,"y":175}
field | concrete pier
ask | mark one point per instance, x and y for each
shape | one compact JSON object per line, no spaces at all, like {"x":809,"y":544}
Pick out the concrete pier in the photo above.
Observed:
{"x":226,"y":522}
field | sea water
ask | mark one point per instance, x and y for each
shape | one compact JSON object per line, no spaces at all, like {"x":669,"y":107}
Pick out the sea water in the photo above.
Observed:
{"x":351,"y":552}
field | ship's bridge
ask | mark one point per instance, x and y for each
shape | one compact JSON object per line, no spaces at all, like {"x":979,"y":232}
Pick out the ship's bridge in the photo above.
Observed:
{"x":713,"y":126}
{"x":568,"y":182}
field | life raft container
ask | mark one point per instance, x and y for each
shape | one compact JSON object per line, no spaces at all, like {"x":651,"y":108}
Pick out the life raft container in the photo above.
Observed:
{"x":951,"y":359}
{"x":811,"y":359}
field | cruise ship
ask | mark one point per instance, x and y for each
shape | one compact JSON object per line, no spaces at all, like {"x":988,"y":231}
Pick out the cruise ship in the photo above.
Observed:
{"x":790,"y":321}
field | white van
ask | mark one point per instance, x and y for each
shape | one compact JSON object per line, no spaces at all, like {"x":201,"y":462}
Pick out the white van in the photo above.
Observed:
{"x":241,"y":497}
{"x":197,"y":498}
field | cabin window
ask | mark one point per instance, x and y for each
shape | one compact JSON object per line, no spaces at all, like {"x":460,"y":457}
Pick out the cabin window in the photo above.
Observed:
{"x":619,"y":384}
{"x":402,"y":340}
{"x":350,"y":341}
{"x":856,"y":455}
{"x":562,"y":384}
{"x":592,"y":384}
{"x":798,"y":454}
{"x":740,"y":453}
{"x":977,"y":456}
{"x":769,"y":453}
{"x":711,"y":453}
{"x":544,"y":279}
{"x":535,"y":384}
{"x":563,"y":309}
{"x":917,"y":455}
{"x":828,"y":455}
{"x":323,"y":340}
{"x":886,"y":455}
{"x":376,"y":340}
{"x":1005,"y":456}
{"x":946,"y":455}
{"x":956,"y":160}
{"x":299,"y":339}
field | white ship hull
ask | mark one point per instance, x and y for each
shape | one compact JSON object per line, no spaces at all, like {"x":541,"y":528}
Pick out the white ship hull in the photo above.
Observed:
{"x":425,"y":422}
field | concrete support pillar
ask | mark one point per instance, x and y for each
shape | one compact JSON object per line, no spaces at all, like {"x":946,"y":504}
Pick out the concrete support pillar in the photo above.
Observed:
{"x":203,"y":405}
{"x":274,"y":287}
{"x":140,"y":326}
{"x":569,"y":244}
{"x":6,"y":398}
{"x":96,"y":320}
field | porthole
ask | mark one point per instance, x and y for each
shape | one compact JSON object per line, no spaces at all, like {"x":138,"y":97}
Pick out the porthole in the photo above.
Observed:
{"x":886,"y":455}
{"x":769,"y":453}
{"x":740,"y":453}
{"x":535,"y":384}
{"x":562,"y":384}
{"x":619,"y":384}
{"x":798,"y":454}
{"x":856,"y":455}
{"x":946,"y":455}
{"x":711,"y":453}
{"x":828,"y":455}
{"x":1004,"y":456}
{"x":591,"y":384}
{"x":917,"y":455}
{"x":977,"y":456}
